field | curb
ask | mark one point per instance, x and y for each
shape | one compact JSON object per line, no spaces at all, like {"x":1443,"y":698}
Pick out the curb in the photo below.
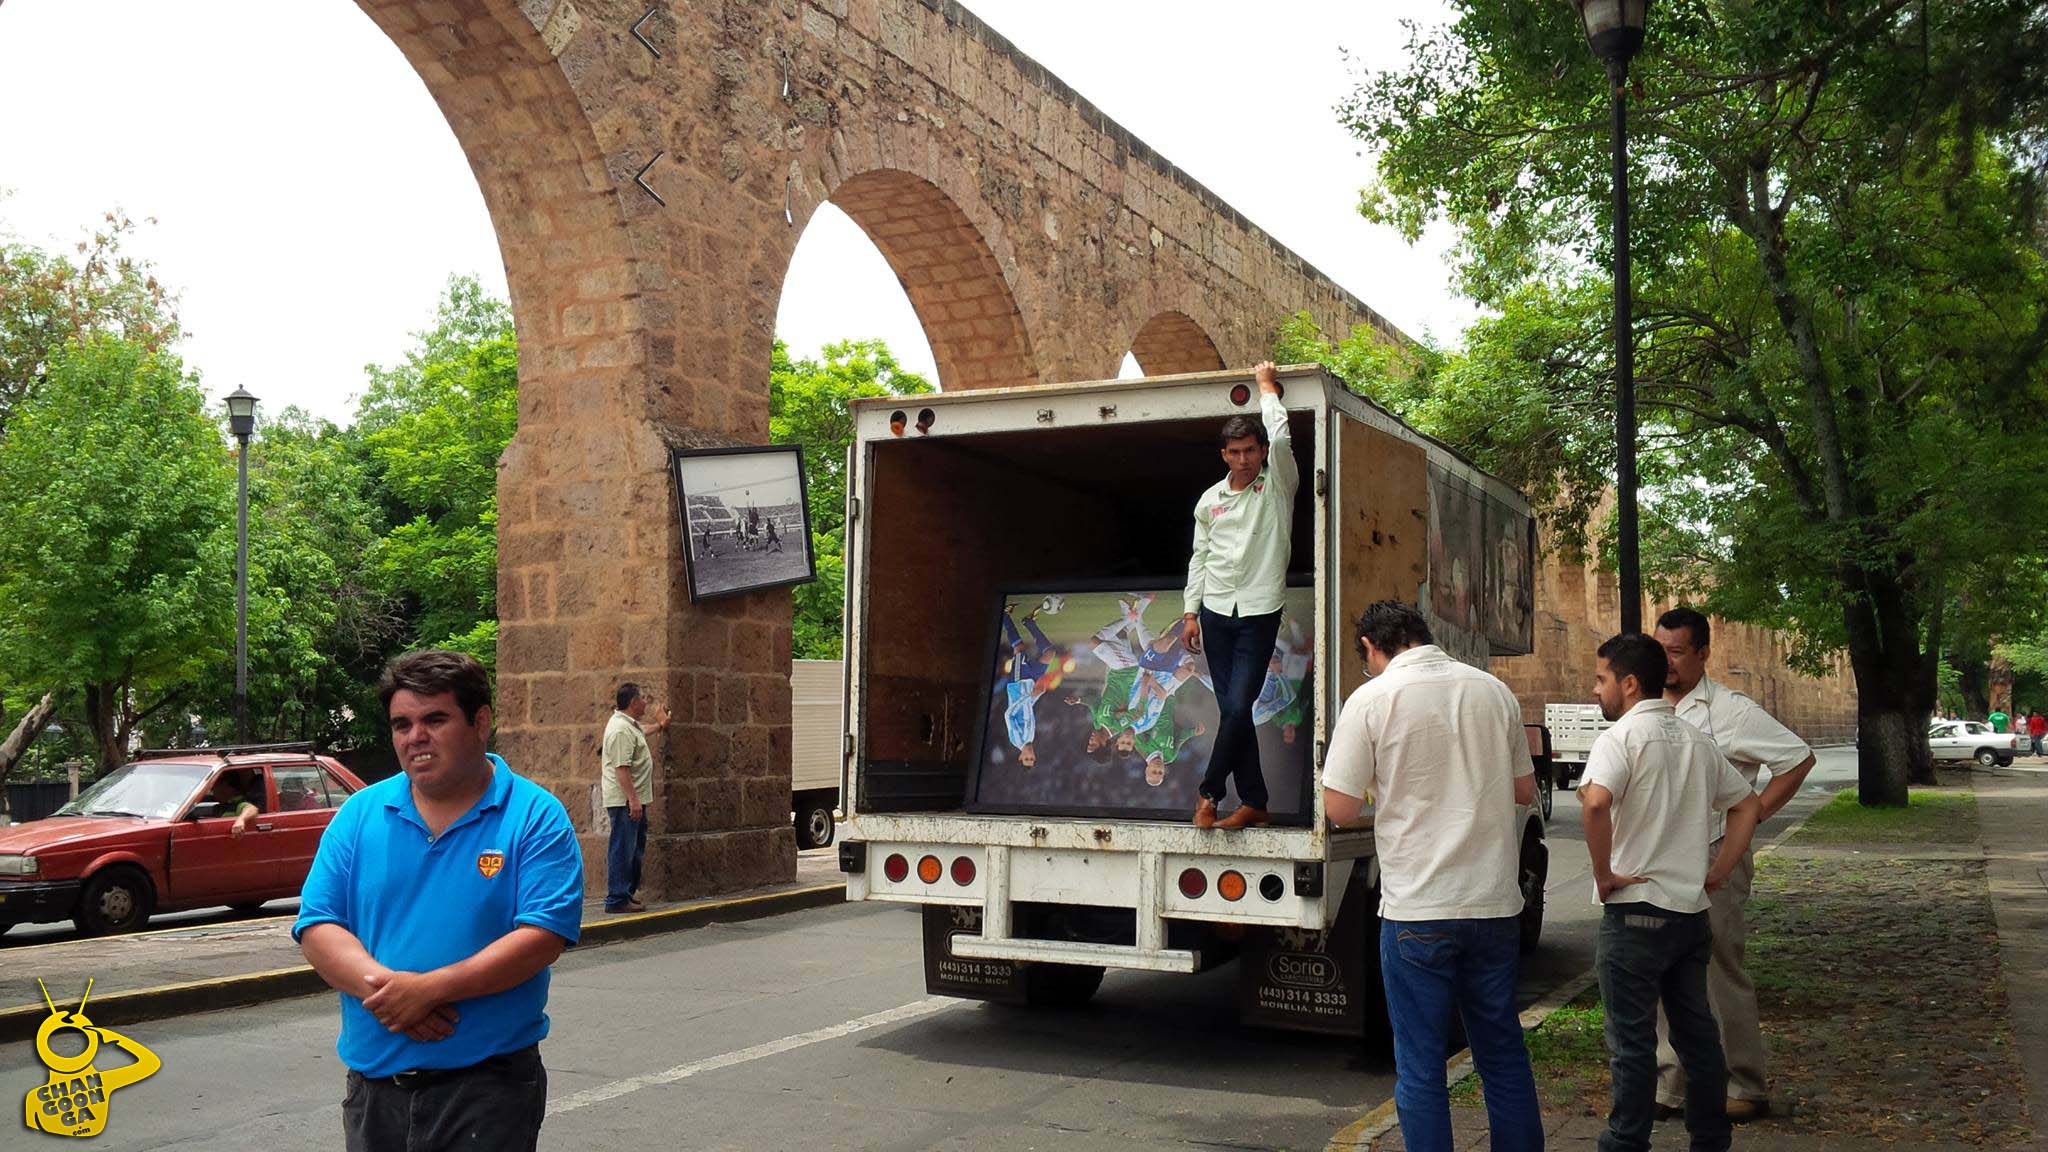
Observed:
{"x":1360,"y":1133}
{"x":166,"y":1000}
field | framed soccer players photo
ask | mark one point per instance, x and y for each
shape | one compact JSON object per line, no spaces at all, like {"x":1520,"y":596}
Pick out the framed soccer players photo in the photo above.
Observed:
{"x":1096,"y":707}
{"x":746,"y":524}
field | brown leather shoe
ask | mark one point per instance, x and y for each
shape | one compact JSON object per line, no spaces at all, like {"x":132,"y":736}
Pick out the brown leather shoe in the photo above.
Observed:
{"x":1205,"y":813}
{"x":628,"y":906}
{"x":1246,"y":816}
{"x":1743,"y":1111}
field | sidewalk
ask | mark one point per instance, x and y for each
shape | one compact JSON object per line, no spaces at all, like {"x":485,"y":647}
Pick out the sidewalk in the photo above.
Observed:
{"x":174,"y":971}
{"x":1903,"y":970}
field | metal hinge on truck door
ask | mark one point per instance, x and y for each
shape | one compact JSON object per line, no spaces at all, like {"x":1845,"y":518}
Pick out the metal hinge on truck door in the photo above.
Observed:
{"x":1322,"y":482}
{"x":853,"y":508}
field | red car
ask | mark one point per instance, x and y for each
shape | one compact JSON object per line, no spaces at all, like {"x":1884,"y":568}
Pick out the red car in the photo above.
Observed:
{"x":153,"y":836}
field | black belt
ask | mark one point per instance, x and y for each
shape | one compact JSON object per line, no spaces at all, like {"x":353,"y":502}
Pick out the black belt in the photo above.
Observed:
{"x":427,"y":1077}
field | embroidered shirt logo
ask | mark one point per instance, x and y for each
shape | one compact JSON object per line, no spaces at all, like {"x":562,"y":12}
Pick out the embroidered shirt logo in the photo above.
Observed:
{"x":489,"y":862}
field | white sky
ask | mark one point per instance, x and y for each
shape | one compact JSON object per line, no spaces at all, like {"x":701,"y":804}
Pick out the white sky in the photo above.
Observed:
{"x":310,"y":231}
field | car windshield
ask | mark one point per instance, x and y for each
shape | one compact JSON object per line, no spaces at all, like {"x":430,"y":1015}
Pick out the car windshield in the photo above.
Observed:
{"x":150,"y":790}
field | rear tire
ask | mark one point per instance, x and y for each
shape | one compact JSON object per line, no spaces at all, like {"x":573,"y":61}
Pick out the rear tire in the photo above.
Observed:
{"x":1986,"y":758}
{"x":116,"y":899}
{"x":1535,"y":871}
{"x":1546,"y":792}
{"x":814,"y":824}
{"x":1061,"y":985}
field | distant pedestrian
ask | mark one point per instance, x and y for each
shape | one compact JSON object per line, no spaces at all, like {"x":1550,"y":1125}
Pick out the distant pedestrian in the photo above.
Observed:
{"x":1652,"y":788}
{"x":437,"y":901}
{"x":1439,"y":747}
{"x":626,"y":782}
{"x":2000,"y":722}
{"x":2037,"y":727}
{"x":1751,"y":740}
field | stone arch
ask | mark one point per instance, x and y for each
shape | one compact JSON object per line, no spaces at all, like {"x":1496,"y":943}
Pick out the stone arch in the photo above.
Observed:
{"x":1172,"y":343}
{"x":952,"y":275}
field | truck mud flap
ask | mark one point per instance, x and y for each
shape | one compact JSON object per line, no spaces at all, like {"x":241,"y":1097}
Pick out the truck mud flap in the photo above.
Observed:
{"x":948,"y":975}
{"x":1304,"y":980}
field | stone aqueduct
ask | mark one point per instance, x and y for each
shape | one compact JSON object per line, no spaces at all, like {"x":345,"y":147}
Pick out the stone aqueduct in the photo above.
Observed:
{"x":649,"y":166}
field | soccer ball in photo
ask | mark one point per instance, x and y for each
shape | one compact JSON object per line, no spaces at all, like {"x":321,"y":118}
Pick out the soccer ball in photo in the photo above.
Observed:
{"x":1051,"y":605}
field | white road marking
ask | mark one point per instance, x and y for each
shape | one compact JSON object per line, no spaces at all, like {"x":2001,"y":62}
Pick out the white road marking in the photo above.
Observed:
{"x":618,"y":1088}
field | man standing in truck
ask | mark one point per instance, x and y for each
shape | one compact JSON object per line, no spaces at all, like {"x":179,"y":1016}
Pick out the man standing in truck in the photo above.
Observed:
{"x":1237,"y":577}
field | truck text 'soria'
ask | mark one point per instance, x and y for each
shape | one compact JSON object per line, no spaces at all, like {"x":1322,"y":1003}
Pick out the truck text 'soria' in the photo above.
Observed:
{"x":968,"y":512}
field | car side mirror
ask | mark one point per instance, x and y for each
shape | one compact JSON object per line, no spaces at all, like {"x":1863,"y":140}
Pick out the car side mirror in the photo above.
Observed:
{"x":204,"y":810}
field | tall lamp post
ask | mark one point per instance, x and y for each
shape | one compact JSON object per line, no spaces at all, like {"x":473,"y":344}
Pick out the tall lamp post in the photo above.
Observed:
{"x":1614,"y":28}
{"x":242,"y":422}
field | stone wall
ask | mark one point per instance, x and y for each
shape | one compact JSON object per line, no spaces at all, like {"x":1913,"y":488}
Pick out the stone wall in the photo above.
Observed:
{"x":1578,"y":606}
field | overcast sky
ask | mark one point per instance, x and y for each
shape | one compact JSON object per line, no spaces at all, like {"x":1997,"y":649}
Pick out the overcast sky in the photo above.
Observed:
{"x":310,"y":229}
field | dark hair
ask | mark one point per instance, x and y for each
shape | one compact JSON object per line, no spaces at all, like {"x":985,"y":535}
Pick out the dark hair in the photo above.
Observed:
{"x":432,"y":671}
{"x":1391,"y":626}
{"x":1240,"y":426}
{"x":1640,"y":656}
{"x":1690,"y":619}
{"x":628,"y":692}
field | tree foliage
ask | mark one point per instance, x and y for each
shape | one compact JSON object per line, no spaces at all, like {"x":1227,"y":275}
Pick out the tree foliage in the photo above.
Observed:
{"x":1841,"y":302}
{"x":809,"y":404}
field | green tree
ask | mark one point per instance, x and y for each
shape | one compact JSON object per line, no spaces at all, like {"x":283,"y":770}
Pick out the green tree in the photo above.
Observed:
{"x":809,"y":404}
{"x":432,"y":429}
{"x":1842,"y":308}
{"x":116,"y":535}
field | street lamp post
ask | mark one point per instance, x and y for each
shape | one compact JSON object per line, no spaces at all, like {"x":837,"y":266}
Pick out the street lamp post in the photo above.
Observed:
{"x":242,"y":422}
{"x":1614,"y":29}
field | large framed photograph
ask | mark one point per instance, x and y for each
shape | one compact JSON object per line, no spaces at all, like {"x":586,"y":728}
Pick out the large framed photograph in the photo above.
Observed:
{"x":745,"y":523}
{"x":1096,"y":708}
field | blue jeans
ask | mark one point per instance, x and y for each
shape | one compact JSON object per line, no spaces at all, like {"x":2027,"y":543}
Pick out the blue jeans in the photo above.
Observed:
{"x":1648,"y":955}
{"x":1432,"y":969}
{"x":1239,"y":648}
{"x":628,"y":847}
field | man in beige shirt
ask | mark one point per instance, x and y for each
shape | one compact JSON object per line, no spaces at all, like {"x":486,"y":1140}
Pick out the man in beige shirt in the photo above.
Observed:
{"x":627,"y":782}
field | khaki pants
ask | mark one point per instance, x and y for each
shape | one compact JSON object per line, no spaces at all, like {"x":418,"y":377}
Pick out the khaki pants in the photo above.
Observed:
{"x":1730,"y":992}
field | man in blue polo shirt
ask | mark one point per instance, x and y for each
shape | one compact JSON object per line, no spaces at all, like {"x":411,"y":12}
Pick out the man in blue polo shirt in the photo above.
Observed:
{"x":437,"y":901}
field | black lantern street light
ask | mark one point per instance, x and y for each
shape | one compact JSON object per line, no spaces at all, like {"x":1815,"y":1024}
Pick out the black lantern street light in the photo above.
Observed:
{"x":1614,"y":28}
{"x":242,"y":422}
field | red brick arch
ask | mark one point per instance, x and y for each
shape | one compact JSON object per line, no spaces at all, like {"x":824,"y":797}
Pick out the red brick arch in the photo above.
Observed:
{"x":1172,"y":342}
{"x":954,"y":281}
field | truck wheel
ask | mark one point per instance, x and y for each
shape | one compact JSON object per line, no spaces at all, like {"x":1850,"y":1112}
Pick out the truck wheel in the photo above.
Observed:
{"x":116,"y":899}
{"x":1061,"y":985}
{"x":1546,"y":793}
{"x":1534,"y":872}
{"x":1986,"y":758}
{"x":814,"y":827}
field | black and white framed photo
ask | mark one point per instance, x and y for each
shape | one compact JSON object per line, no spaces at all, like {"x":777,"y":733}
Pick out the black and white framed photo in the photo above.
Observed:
{"x":745,"y":523}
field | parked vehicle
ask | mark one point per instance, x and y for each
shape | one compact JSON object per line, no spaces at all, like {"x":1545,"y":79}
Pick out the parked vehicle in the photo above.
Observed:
{"x":1002,"y":490}
{"x":817,"y":739}
{"x":148,"y":838}
{"x":1972,"y":740}
{"x":1573,"y":728}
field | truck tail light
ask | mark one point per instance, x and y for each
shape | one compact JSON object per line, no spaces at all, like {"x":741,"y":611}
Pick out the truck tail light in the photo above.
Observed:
{"x":896,"y":868}
{"x":1193,"y":884}
{"x":1230,"y":885}
{"x":963,"y":870}
{"x":929,"y":869}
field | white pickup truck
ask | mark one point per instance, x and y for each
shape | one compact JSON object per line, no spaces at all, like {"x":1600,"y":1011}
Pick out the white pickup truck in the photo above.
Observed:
{"x":956,"y":503}
{"x":1573,"y":728}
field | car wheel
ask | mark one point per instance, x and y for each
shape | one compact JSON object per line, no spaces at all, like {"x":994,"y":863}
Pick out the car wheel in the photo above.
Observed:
{"x":1535,"y":871}
{"x":247,"y":906}
{"x":116,"y":899}
{"x":814,"y":827}
{"x":1986,"y":758}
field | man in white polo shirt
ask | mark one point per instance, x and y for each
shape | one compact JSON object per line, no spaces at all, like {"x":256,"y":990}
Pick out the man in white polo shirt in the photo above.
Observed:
{"x":1653,"y":787}
{"x":1751,"y":740}
{"x":1237,"y":577}
{"x":1438,"y":747}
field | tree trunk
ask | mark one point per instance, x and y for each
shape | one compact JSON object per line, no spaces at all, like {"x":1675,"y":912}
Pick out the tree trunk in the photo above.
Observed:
{"x":25,"y":733}
{"x":1894,"y":691}
{"x":101,"y":709}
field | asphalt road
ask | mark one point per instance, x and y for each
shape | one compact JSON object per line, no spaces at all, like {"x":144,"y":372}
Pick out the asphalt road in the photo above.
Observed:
{"x":813,"y":1030}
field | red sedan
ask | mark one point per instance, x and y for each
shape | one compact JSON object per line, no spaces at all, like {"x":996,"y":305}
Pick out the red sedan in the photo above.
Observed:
{"x":162,"y":834}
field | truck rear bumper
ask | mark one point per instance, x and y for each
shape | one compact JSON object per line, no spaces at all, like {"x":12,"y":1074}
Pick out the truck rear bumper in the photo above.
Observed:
{"x":1077,"y":952}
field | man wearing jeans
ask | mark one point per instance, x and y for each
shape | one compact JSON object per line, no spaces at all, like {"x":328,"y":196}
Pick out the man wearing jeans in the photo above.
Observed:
{"x":1237,"y":578}
{"x":1438,"y":748}
{"x":1652,"y":787}
{"x":628,"y":788}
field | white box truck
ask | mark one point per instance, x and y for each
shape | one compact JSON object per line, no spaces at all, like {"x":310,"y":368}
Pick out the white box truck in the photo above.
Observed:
{"x":957,"y":499}
{"x":816,"y":728}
